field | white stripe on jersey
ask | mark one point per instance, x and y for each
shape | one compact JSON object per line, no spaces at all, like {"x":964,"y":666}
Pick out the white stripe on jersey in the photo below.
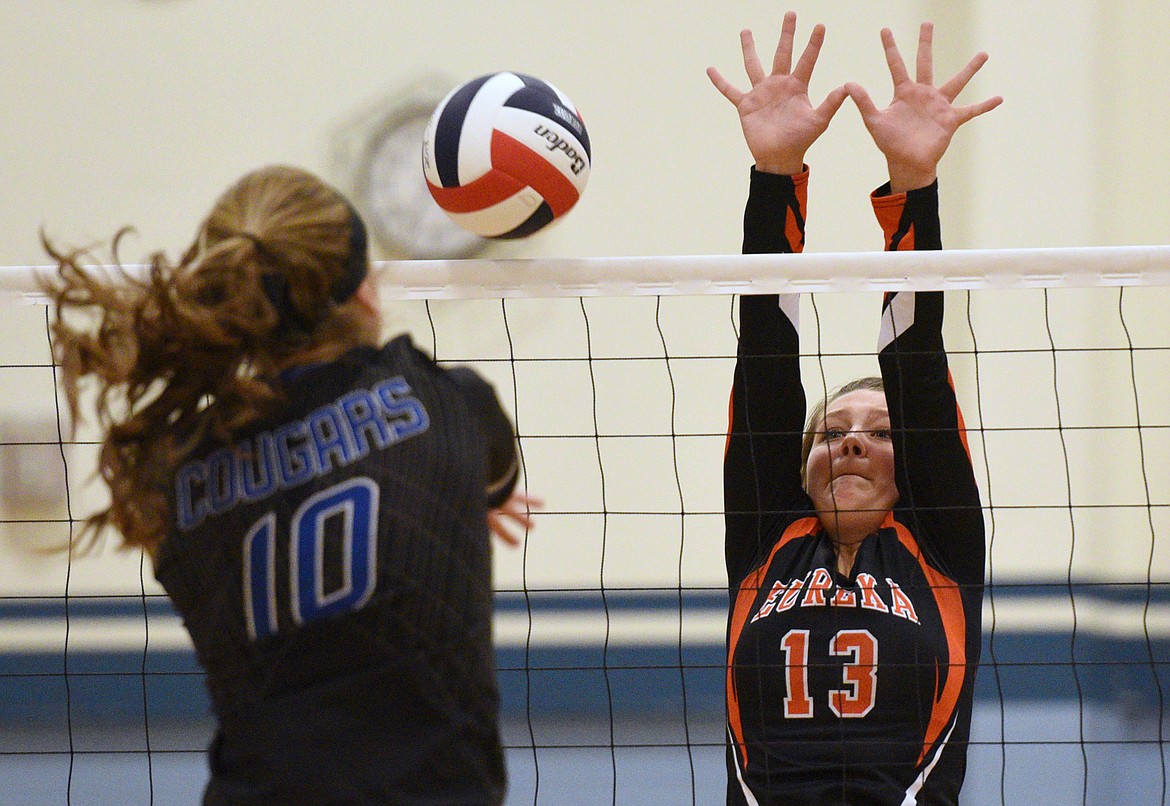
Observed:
{"x":747,"y":793}
{"x":911,"y":798}
{"x":897,"y":317}
{"x":790,"y":306}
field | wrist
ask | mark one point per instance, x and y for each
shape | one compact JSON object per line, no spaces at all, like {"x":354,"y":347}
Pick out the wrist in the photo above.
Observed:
{"x":783,"y":167}
{"x":903,"y":179}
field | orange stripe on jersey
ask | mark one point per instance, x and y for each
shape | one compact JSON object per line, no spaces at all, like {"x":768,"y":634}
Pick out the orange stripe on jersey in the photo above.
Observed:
{"x":550,"y":183}
{"x":888,"y":210}
{"x":744,"y":599}
{"x":950,"y":609}
{"x":792,"y":230}
{"x":959,"y":416}
{"x":907,"y":242}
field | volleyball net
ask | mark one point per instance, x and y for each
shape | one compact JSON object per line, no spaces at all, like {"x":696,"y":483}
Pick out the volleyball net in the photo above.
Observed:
{"x":610,"y":619}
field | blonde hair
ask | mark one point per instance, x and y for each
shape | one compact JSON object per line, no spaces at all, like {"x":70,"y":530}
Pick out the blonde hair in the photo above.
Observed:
{"x":192,"y":350}
{"x":816,"y":419}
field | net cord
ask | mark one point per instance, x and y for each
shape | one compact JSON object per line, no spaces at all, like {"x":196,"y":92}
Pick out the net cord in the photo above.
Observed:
{"x":952,"y":269}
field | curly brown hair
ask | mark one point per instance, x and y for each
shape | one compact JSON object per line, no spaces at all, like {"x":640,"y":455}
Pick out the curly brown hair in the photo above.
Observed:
{"x":191,"y":350}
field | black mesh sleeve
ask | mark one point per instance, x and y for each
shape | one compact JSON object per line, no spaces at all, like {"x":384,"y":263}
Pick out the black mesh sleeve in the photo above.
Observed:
{"x":503,"y":459}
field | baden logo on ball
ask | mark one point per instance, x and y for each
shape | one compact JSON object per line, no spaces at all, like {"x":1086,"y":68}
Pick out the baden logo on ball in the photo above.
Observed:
{"x":506,"y":154}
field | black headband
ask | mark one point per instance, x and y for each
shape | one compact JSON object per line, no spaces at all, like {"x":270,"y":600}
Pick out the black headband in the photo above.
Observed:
{"x":357,"y":265}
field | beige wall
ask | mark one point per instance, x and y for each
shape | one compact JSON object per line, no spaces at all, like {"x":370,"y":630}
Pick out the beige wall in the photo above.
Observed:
{"x":140,"y":112}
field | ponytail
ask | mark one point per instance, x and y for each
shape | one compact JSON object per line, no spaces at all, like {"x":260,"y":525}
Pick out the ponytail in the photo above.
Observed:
{"x":191,"y":351}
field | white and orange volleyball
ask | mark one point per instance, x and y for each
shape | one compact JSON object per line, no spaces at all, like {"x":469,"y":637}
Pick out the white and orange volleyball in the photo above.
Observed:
{"x":505,"y":155}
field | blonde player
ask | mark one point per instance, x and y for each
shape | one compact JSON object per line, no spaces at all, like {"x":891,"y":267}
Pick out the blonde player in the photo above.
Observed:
{"x":855,"y":543}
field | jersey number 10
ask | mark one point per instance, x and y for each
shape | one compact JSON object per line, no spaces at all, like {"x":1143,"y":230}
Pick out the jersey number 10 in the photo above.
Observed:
{"x":355,"y":501}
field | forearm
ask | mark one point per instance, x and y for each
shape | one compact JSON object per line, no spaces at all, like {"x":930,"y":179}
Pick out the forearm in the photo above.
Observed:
{"x":762,"y":460}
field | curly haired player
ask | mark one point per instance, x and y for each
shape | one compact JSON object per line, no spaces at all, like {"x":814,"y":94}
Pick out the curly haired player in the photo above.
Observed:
{"x":317,"y":506}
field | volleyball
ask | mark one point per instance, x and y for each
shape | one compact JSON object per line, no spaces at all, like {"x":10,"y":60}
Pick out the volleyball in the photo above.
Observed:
{"x":505,"y":155}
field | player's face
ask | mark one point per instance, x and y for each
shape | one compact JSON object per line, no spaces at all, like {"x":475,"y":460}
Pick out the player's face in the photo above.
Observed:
{"x":851,"y":464}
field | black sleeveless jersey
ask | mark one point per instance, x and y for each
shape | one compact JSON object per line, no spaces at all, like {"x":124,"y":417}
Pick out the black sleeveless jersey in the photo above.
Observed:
{"x":858,"y":689}
{"x":332,"y":566}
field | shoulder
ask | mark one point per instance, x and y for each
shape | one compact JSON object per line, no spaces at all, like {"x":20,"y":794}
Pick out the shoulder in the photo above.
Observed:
{"x":398,"y":356}
{"x":399,"y":349}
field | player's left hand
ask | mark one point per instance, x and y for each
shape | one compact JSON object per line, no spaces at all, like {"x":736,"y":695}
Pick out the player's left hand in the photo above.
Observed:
{"x":914,"y":131}
{"x":514,"y":514}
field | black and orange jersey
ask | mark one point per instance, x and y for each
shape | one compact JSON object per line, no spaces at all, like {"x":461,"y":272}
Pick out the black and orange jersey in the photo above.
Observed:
{"x":848,"y":690}
{"x":332,"y":565}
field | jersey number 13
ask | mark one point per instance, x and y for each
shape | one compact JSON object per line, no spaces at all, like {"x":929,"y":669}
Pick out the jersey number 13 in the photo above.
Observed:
{"x":859,"y":674}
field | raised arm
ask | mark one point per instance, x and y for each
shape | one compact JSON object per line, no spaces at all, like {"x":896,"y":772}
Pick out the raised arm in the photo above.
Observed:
{"x":933,"y":472}
{"x":932,"y":467}
{"x":762,"y":488}
{"x":914,"y":131}
{"x":509,"y":510}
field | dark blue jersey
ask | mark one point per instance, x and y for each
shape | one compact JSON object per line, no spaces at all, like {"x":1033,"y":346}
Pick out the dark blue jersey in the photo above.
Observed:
{"x":848,"y":689}
{"x":332,"y":565}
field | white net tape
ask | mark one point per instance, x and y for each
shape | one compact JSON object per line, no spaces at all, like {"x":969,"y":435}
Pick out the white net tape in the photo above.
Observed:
{"x":1073,"y":267}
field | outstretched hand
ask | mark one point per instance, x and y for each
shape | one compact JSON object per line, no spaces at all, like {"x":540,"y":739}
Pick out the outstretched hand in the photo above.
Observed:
{"x":513,"y":514}
{"x":778,"y":119}
{"x":914,"y":131}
